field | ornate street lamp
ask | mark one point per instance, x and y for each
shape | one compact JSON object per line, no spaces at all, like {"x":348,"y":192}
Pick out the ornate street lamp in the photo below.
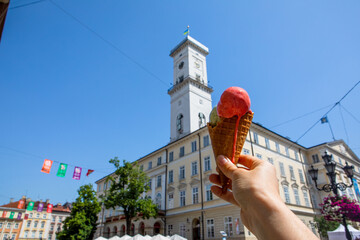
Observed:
{"x":330,"y":166}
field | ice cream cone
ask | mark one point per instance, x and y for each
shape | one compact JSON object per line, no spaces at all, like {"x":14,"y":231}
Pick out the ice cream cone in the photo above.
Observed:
{"x":222,"y":139}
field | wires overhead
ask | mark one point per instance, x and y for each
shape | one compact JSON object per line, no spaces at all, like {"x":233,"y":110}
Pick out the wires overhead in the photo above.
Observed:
{"x":27,"y":4}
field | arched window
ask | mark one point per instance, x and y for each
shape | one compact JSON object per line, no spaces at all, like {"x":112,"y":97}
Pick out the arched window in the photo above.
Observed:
{"x":142,"y":228}
{"x":157,"y":227}
{"x":158,"y":200}
{"x":132,"y":230}
{"x":179,"y":123}
{"x":122,"y":230}
{"x":202,"y":120}
{"x":114,"y":231}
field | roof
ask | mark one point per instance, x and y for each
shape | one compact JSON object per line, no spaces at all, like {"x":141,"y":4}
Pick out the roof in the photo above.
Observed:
{"x":12,"y":205}
{"x":193,"y":42}
{"x":57,"y":208}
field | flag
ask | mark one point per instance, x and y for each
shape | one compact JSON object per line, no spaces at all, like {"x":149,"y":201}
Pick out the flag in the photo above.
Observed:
{"x":49,"y":208}
{"x":62,"y":170}
{"x":4,"y":214}
{"x":30,"y":206}
{"x":89,"y":172}
{"x":324,"y":119}
{"x":19,"y":216}
{"x":21,"y":204}
{"x":47,"y":166}
{"x":186,"y":31}
{"x":40,"y":207}
{"x":77,"y":173}
{"x":12,"y":214}
{"x":26,"y":216}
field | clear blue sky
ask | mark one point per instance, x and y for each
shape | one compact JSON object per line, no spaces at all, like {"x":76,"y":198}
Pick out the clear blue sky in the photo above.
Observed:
{"x":70,"y":96}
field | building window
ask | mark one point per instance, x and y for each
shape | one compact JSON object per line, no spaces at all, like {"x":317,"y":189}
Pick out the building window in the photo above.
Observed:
{"x":282,"y":169}
{"x":26,"y":234}
{"x":207,"y":164}
{"x":44,"y":216}
{"x":194,"y":169}
{"x":53,"y":219}
{"x":171,"y":156}
{"x":16,"y":226}
{"x":209,"y":195}
{"x":30,"y":215}
{"x":42,"y":224}
{"x":182,"y":152}
{"x":306,"y":198}
{"x":296,"y":155}
{"x":150,"y":165}
{"x":171,"y":200}
{"x":259,"y":156}
{"x":52,"y":228}
{"x":206,"y":141}
{"x":315,"y":158}
{"x":182,"y":198}
{"x":158,"y":200}
{"x":8,"y":225}
{"x":195,"y":195}
{"x":182,"y":230}
{"x":142,"y":168}
{"x":256,"y":138}
{"x":40,"y":234}
{"x":286,"y":193}
{"x":210,"y":228}
{"x":287,"y":152}
{"x":13,"y":236}
{"x":301,"y":176}
{"x":38,"y":215}
{"x":159,"y":161}
{"x":228,"y":226}
{"x":28,"y":224}
{"x":158,"y":181}
{"x":150,"y":183}
{"x":296,"y":194}
{"x":50,"y":237}
{"x":182,"y":172}
{"x":33,"y":234}
{"x":171,"y":176}
{"x":99,"y":188}
{"x":170,"y":229}
{"x":36,"y":224}
{"x":246,"y":151}
{"x":277,"y":147}
{"x":179,"y":123}
{"x":270,"y":160}
{"x":292,"y":175}
{"x":202,"y":119}
{"x":193,"y":146}
{"x":267,"y":143}
{"x":60,"y":219}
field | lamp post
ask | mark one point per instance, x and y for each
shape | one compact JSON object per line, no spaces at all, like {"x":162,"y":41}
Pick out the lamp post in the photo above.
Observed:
{"x":330,"y":166}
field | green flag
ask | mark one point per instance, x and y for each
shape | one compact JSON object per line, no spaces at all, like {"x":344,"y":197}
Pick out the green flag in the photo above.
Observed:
{"x":12,"y":214}
{"x":62,"y":170}
{"x":30,"y":206}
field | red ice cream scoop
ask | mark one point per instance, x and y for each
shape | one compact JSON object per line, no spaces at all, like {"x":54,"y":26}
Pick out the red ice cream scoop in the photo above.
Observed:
{"x":234,"y":101}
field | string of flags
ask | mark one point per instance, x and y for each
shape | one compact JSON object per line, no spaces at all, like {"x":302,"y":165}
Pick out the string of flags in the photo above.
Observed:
{"x":30,"y":207}
{"x":61,"y":172}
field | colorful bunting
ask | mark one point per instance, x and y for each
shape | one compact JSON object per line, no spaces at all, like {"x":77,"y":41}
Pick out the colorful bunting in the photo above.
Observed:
{"x":19,"y":216}
{"x":47,"y":166}
{"x":4,"y":214}
{"x":12,"y":214}
{"x":40,"y":207}
{"x":21,"y":204}
{"x":89,"y":172}
{"x":62,"y":170}
{"x":49,"y":208}
{"x":77,"y":173}
{"x":30,"y":206}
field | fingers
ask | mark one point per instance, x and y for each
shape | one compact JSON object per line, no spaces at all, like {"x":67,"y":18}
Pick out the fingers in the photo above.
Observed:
{"x":215,"y":179}
{"x":249,"y":161}
{"x":226,"y":166}
{"x":227,"y":196}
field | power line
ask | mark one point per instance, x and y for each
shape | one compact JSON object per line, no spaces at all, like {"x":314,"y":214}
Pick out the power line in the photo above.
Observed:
{"x":350,"y":114}
{"x":343,"y":121}
{"x":27,"y":4}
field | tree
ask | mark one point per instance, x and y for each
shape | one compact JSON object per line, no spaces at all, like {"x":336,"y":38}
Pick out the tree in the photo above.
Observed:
{"x":82,"y":221}
{"x":128,"y":183}
{"x":324,"y":225}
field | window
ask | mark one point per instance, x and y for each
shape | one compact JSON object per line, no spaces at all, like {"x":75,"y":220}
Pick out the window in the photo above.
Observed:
{"x":40,"y":234}
{"x":306,"y":198}
{"x":270,"y":160}
{"x":171,"y":156}
{"x":158,"y":184}
{"x":277,"y":147}
{"x":8,"y":225}
{"x":287,"y":152}
{"x":60,"y":219}
{"x":159,"y":161}
{"x":292,"y":175}
{"x":193,"y":146}
{"x":150,"y":165}
{"x":182,"y":152}
{"x":228,"y":226}
{"x":340,"y":161}
{"x":16,"y":225}
{"x":182,"y":229}
{"x":36,"y":224}
{"x":5,"y":236}
{"x":50,"y":237}
{"x":256,"y":138}
{"x":28,"y":224}
{"x":13,"y":236}
{"x":296,"y":155}
{"x":179,"y":120}
{"x":194,"y":170}
{"x":26,"y":234}
{"x":182,"y":198}
{"x":99,"y":188}
{"x":246,"y":151}
{"x":150,"y":183}
{"x":171,"y":200}
{"x":170,"y":229}
{"x":315,"y":158}
{"x":53,"y":219}
{"x":209,"y":195}
{"x":171,"y":176}
{"x":182,"y":172}
{"x":142,"y":168}
{"x":195,"y":195}
{"x":33,"y":234}
{"x":44,"y":216}
{"x":267,"y":143}
{"x":259,"y":156}
{"x":296,"y":194}
{"x":42,"y":224}
{"x":301,"y":176}
{"x":30,"y":215}
{"x":282,"y":170}
{"x":52,"y":228}
{"x":38,"y":215}
{"x":1,"y":224}
{"x":286,"y":193}
{"x":206,"y":141}
{"x":158,"y":200}
{"x":207,"y":164}
{"x":210,"y":228}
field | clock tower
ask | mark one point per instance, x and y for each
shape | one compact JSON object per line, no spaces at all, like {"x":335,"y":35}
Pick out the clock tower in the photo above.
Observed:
{"x":190,"y":93}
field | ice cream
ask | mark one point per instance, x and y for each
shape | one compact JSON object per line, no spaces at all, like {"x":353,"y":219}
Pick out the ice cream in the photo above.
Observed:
{"x":229,"y":124}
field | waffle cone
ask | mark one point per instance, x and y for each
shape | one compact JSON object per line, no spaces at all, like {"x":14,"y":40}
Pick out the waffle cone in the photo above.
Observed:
{"x":222,"y":139}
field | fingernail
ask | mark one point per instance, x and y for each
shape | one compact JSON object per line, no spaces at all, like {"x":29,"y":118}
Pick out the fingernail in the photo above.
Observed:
{"x":222,"y":160}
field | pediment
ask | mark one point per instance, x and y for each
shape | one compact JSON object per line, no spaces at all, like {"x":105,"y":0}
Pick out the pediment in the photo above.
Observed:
{"x":194,"y":181}
{"x":170,"y":189}
{"x":284,"y":182}
{"x":294,"y":185}
{"x":182,"y":186}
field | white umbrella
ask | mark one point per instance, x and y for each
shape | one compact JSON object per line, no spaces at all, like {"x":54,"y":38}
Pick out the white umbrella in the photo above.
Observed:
{"x":115,"y":238}
{"x":147,"y":237}
{"x":177,"y":237}
{"x":125,"y":237}
{"x":159,"y":237}
{"x":100,"y":238}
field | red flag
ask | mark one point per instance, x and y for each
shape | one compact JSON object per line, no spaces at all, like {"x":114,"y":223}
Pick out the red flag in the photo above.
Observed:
{"x":47,"y":166}
{"x":21,"y":204}
{"x":26,"y":216}
{"x":89,"y":172}
{"x":49,"y":208}
{"x":4,"y":214}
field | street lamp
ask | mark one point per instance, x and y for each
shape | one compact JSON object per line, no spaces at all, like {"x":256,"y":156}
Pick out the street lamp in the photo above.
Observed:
{"x":330,"y":166}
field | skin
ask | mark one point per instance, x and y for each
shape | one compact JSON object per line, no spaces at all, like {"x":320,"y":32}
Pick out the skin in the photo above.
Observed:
{"x":256,"y":191}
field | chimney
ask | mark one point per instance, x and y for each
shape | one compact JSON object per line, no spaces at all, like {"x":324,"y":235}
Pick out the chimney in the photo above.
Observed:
{"x":28,"y":200}
{"x":23,"y":197}
{"x":47,"y":200}
{"x":11,"y":200}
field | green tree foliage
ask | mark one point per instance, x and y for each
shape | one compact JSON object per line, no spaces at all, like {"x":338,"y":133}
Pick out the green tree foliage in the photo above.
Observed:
{"x":324,"y":225}
{"x":82,"y":221}
{"x":128,"y":183}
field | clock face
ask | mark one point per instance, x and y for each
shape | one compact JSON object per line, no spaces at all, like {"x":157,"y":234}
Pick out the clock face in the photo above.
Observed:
{"x":181,"y":65}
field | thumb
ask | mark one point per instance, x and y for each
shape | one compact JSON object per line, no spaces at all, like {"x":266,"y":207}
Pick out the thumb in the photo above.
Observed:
{"x":226,"y":166}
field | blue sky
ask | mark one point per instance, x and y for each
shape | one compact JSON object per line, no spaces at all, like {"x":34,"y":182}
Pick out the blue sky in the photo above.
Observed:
{"x":82,"y":82}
